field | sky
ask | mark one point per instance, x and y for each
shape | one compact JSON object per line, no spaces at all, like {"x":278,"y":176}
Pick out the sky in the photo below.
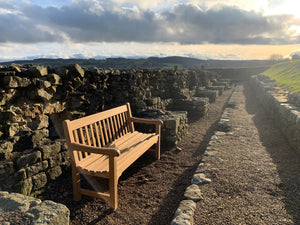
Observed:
{"x":205,"y":29}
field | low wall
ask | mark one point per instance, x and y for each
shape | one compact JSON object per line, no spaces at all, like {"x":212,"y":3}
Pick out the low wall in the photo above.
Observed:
{"x":285,"y":114}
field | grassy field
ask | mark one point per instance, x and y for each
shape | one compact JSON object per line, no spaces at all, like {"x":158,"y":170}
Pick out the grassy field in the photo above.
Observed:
{"x":286,"y":74}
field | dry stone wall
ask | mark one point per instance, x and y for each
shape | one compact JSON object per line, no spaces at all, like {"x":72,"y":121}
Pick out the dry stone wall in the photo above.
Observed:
{"x":286,"y":113}
{"x":34,"y":100}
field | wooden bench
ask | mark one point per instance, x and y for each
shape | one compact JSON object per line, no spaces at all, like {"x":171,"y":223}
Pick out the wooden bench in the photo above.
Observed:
{"x":104,"y":145}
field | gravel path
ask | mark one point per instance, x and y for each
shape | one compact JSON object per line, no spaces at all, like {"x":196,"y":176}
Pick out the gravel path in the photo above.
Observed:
{"x":255,"y":174}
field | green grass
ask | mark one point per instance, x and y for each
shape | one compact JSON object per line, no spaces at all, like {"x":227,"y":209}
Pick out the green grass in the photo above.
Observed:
{"x":286,"y":75}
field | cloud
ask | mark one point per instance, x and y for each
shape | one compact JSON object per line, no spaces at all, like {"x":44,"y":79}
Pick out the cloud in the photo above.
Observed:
{"x":95,"y":21}
{"x":228,"y":25}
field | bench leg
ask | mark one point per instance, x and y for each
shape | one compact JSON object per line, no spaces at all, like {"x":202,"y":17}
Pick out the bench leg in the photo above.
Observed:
{"x":113,"y":182}
{"x":157,"y":146}
{"x":76,"y":183}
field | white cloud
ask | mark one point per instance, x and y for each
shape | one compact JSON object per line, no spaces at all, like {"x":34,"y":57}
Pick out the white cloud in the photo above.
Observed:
{"x":94,"y":21}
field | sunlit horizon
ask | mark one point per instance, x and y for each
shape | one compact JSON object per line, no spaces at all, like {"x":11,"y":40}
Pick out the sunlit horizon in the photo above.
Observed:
{"x":231,"y":30}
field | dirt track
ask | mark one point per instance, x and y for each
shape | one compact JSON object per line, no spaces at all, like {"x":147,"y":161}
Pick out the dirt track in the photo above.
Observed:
{"x":257,"y":182}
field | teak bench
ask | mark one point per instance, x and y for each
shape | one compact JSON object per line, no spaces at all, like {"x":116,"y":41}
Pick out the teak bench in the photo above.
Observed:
{"x":104,"y":145}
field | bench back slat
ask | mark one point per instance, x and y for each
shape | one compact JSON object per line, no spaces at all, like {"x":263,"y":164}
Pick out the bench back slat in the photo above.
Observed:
{"x":109,"y":130}
{"x":97,"y":134}
{"x":119,"y":125}
{"x":122,"y":123}
{"x":112,"y":124}
{"x":126,"y":122}
{"x":99,"y":129}
{"x":88,"y":138}
{"x":93,"y":129}
{"x":105,"y":132}
{"x":117,"y":129}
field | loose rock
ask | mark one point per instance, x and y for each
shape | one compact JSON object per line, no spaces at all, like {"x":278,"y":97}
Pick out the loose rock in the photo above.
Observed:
{"x":200,"y":179}
{"x":193,"y":193}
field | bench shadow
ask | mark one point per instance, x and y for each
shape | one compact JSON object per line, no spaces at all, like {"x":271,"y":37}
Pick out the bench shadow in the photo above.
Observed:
{"x":101,"y":217}
{"x":64,"y":183}
{"x":171,"y":202}
{"x":176,"y":194}
{"x":285,"y":157}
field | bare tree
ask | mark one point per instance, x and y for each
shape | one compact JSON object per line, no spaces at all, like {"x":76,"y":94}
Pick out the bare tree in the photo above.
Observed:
{"x":296,"y":56}
{"x":276,"y":57}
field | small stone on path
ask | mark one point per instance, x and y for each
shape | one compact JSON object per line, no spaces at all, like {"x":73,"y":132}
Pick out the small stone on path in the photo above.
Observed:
{"x":193,"y":193}
{"x":179,"y":149}
{"x":182,"y":219}
{"x":200,"y":179}
{"x":186,"y":207}
{"x":184,"y":215}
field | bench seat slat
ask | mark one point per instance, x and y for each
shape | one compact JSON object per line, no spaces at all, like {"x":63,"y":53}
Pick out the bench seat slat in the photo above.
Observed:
{"x":91,"y":159}
{"x":123,"y":139}
{"x":133,"y":141}
{"x":97,"y":164}
{"x":127,"y":159}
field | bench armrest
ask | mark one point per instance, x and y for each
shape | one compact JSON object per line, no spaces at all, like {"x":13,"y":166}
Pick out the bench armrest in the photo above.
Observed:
{"x":147,"y":121}
{"x":97,"y":150}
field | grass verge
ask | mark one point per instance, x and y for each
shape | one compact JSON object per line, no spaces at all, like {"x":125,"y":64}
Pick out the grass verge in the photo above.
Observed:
{"x":286,"y":75}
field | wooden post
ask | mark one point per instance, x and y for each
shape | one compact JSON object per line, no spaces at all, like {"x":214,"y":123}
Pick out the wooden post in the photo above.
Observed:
{"x":129,"y":117}
{"x":113,"y":182}
{"x":157,"y":147}
{"x":76,"y":183}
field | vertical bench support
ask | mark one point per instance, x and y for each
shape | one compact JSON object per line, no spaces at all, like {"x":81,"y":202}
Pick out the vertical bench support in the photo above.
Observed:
{"x":129,"y":116}
{"x":113,"y":182}
{"x":157,"y":146}
{"x":76,"y":183}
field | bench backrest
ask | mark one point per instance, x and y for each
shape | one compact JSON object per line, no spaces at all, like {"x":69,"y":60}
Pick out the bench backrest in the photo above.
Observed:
{"x":99,"y":129}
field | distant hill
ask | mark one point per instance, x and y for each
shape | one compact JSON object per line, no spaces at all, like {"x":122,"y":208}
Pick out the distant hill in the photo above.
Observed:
{"x":286,"y":75}
{"x":146,"y":63}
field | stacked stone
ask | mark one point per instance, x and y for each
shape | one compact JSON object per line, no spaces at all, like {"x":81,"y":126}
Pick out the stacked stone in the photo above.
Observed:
{"x":84,"y":90}
{"x":174,"y":128}
{"x":285,"y":114}
{"x":294,"y":98}
{"x":214,"y":89}
{"x":175,"y":125}
{"x":30,"y":153}
{"x":223,"y":82}
{"x":210,"y":94}
{"x":220,"y":89}
{"x":195,"y":106}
